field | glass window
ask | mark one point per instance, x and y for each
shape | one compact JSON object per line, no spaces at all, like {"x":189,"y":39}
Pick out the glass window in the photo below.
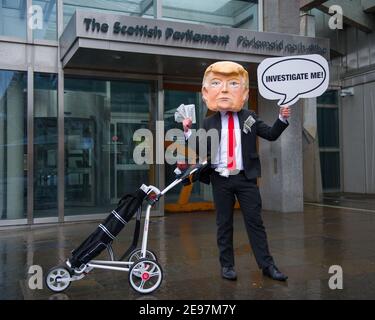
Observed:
{"x":328,"y":127}
{"x":13,"y":145}
{"x":45,"y":145}
{"x":140,"y":8}
{"x":329,"y":97}
{"x":224,"y":13}
{"x":330,"y":166}
{"x":329,"y":141}
{"x":100,"y":120}
{"x":13,"y":18}
{"x":48,"y":29}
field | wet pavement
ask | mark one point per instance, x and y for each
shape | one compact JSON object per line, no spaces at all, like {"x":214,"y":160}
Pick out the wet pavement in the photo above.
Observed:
{"x":350,"y":200}
{"x":304,"y":246}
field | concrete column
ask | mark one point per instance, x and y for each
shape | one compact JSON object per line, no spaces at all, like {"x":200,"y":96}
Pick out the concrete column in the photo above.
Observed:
{"x":281,"y":184}
{"x":60,"y":119}
{"x":160,"y":168}
{"x":158,"y":7}
{"x":15,"y":151}
{"x":105,"y":137}
{"x":2,"y":24}
{"x":2,"y":159}
{"x":281,"y":16}
{"x":307,"y":25}
{"x":312,"y":183}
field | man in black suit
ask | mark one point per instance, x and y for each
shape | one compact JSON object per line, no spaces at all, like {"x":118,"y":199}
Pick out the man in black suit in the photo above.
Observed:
{"x":234,"y":163}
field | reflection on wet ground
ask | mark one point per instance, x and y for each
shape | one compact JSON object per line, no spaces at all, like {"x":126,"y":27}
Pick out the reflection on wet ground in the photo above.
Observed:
{"x":359,"y":201}
{"x":304,"y":246}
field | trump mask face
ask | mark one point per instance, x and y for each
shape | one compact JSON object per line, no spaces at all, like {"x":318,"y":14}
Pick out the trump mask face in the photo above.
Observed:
{"x":225,"y":86}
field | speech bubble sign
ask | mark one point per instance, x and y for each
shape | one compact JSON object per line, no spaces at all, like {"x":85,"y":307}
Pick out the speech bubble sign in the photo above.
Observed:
{"x":290,"y":78}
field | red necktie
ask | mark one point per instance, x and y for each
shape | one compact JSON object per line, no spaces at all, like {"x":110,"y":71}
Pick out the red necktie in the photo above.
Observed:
{"x":231,"y":164}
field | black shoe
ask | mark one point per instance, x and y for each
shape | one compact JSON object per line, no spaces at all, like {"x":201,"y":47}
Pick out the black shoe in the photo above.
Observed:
{"x":274,"y":273}
{"x":229,"y":273}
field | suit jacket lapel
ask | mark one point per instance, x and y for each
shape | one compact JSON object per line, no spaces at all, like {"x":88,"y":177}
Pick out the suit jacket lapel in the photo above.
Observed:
{"x":217,"y":124}
{"x":242,"y":116}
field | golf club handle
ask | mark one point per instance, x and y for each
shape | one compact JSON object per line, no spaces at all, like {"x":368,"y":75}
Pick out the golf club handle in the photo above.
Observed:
{"x":193,"y":169}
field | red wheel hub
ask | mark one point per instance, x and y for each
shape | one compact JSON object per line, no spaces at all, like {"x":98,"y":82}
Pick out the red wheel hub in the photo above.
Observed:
{"x":145,"y":276}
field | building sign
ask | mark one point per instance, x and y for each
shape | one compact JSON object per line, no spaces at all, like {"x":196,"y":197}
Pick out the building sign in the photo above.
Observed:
{"x":191,"y":36}
{"x":145,"y":31}
{"x":181,"y":36}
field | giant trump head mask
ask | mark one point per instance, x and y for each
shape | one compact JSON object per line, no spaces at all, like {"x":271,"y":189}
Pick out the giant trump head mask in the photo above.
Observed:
{"x":225,"y":86}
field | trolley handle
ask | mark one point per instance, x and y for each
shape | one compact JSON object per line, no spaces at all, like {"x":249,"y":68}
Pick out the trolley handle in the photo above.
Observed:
{"x":192,"y":169}
{"x":152,"y":194}
{"x":148,"y":189}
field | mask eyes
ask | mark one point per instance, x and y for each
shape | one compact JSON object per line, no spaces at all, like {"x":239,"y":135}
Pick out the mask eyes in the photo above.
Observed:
{"x":216,"y":84}
{"x":232,"y":84}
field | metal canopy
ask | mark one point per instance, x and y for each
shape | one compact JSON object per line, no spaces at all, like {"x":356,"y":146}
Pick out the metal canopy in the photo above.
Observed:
{"x":119,"y":43}
{"x":143,"y":63}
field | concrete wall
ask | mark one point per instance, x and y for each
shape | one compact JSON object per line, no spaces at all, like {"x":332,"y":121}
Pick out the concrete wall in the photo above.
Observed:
{"x":281,"y":16}
{"x":281,"y":185}
{"x":356,"y":68}
{"x":358,"y":142}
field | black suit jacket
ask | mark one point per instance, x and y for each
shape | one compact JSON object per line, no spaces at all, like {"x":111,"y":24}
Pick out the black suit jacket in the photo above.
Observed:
{"x":250,"y":156}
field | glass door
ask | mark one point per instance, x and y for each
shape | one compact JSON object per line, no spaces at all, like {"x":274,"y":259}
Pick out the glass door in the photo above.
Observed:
{"x":195,"y":197}
{"x":126,"y":174}
{"x":79,"y":164}
{"x":329,"y":142}
{"x":101,"y":117}
{"x":45,"y":145}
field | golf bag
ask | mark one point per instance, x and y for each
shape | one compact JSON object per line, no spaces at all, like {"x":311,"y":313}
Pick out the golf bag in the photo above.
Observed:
{"x":106,"y":232}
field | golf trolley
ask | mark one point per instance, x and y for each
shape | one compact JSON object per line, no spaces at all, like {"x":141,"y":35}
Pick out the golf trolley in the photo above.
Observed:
{"x":145,"y":272}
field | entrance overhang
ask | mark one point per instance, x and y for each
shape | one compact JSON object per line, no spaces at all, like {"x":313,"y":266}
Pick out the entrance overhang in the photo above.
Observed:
{"x":120,"y":43}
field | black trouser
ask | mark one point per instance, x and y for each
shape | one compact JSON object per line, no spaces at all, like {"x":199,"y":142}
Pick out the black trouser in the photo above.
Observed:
{"x":224,"y":191}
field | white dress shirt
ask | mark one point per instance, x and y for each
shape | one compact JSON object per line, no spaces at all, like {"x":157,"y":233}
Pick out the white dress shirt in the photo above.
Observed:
{"x":221,"y":160}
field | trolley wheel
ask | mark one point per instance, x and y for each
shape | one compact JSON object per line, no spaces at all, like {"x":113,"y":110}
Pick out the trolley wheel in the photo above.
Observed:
{"x":136,"y":255}
{"x":58,"y":279}
{"x":145,"y":276}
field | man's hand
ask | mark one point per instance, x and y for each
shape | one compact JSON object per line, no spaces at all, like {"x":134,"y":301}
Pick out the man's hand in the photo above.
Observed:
{"x":285,"y":112}
{"x":187,"y":124}
{"x":182,"y":165}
